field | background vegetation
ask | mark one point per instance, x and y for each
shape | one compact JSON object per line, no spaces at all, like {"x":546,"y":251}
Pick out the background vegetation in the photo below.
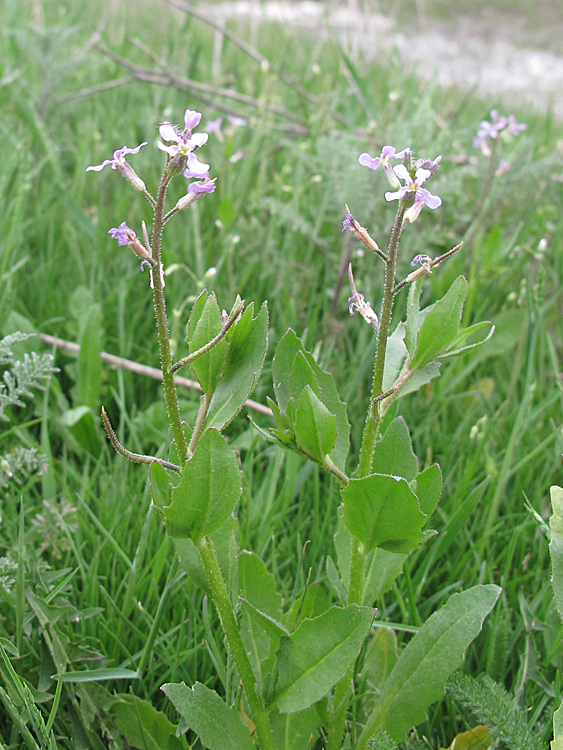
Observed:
{"x":96,"y":557}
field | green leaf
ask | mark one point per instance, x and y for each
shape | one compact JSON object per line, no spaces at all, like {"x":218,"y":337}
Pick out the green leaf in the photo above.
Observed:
{"x":414,"y":317}
{"x":96,"y":675}
{"x":458,"y":344}
{"x":382,"y":568}
{"x":556,"y":546}
{"x":312,"y":603}
{"x":195,"y":315}
{"x":286,"y":351}
{"x":208,"y":366}
{"x":161,"y":485}
{"x":301,"y":376}
{"x":382,"y":511}
{"x":315,"y":426}
{"x":441,"y":325}
{"x":208,"y":491}
{"x":248,"y":341}
{"x":218,"y":726}
{"x":335,"y":580}
{"x":557,"y":742}
{"x":381,"y":655}
{"x":330,"y":398}
{"x":192,"y":563}
{"x":394,"y":454}
{"x":293,"y":369}
{"x":294,"y":731}
{"x":433,"y":654}
{"x":429,"y":488}
{"x":80,"y":422}
{"x":258,"y":587}
{"x":141,"y":724}
{"x":317,"y":655}
{"x":395,"y":356}
{"x":343,"y":546}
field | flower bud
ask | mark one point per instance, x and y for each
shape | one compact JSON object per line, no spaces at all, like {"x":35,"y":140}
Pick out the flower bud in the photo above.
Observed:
{"x":127,"y":171}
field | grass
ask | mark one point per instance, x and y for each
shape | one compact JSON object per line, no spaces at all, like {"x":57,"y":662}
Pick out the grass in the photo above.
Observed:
{"x":493,"y":422}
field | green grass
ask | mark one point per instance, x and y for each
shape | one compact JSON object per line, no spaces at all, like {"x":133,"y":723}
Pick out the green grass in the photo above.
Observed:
{"x":108,"y":553}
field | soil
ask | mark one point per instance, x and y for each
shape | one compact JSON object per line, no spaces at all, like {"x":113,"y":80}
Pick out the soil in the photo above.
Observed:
{"x":507,"y":50}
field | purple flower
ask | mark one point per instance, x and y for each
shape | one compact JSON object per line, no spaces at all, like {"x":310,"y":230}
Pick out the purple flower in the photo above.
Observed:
{"x":348,"y":223}
{"x":421,"y":195}
{"x":420,"y":260}
{"x":123,"y":234}
{"x":207,"y":186}
{"x":214,"y":126}
{"x":118,"y":158}
{"x":126,"y":236}
{"x":355,"y":301}
{"x":499,"y":126}
{"x":238,"y":122}
{"x":513,"y":127}
{"x":388,"y":152}
{"x":180,"y":145}
{"x":125,"y":169}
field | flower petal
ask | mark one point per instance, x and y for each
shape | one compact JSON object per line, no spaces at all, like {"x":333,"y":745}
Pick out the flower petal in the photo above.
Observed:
{"x":167,"y":133}
{"x":432,"y":201}
{"x":367,"y":161}
{"x":99,"y":167}
{"x":199,"y":139}
{"x":196,"y":166}
{"x":191,"y":119}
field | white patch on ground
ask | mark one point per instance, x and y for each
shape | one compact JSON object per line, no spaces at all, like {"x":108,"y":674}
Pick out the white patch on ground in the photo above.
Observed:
{"x":467,"y":57}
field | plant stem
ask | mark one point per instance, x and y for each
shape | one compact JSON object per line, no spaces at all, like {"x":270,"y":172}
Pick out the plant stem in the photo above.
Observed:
{"x":373,"y":416}
{"x":170,"y":394}
{"x":358,"y":562}
{"x":220,"y":594}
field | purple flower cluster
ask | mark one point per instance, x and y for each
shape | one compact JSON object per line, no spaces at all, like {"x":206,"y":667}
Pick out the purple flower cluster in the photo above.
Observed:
{"x":412,"y":192}
{"x":181,"y":144}
{"x":498,"y":126}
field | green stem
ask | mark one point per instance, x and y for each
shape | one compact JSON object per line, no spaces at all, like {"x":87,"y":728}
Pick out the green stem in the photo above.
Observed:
{"x":220,"y":594}
{"x":170,"y":394}
{"x":373,"y":416}
{"x":371,"y":429}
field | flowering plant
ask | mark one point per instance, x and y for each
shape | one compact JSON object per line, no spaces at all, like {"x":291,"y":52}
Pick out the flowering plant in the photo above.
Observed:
{"x":297,"y":668}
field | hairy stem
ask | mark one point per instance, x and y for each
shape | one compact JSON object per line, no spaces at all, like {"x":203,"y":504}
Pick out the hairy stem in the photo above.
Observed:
{"x":358,"y":562}
{"x":373,"y":417}
{"x":220,"y":594}
{"x":162,"y":327}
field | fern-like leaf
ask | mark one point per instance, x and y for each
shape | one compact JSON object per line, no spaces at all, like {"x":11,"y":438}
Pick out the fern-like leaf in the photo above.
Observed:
{"x":497,"y":709}
{"x":19,"y":463}
{"x":382,"y":741}
{"x":6,"y":344}
{"x":31,"y":372}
